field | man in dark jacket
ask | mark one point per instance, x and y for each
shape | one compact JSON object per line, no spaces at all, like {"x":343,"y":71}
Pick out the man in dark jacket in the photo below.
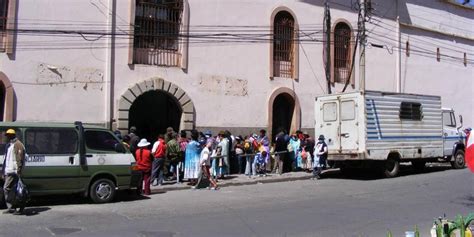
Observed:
{"x":134,"y":139}
{"x":11,"y":171}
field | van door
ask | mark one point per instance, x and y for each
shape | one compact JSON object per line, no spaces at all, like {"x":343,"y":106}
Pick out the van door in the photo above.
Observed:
{"x":52,"y":160}
{"x":349,"y":136}
{"x":450,"y":133}
{"x":329,"y":123}
{"x":102,"y":157}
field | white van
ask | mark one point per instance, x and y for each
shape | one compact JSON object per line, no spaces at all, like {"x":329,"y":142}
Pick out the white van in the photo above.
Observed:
{"x":383,"y":129}
{"x":72,"y":158}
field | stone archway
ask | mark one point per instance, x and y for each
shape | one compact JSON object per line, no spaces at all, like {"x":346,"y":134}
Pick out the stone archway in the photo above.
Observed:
{"x":279,"y":95}
{"x":127,"y":99}
{"x":8,"y":98}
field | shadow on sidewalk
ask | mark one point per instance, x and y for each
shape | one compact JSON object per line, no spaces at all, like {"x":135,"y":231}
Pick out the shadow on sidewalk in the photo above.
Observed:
{"x":372,"y":174}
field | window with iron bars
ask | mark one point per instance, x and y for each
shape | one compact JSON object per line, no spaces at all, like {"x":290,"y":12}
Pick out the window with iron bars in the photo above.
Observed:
{"x":283,"y":45}
{"x":3,"y":14}
{"x":157,"y":31}
{"x":342,"y":52}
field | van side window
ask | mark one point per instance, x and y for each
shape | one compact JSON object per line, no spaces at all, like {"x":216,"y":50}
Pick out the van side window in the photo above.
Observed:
{"x":53,"y":141}
{"x":330,"y":112}
{"x":411,"y":111}
{"x":100,"y":140}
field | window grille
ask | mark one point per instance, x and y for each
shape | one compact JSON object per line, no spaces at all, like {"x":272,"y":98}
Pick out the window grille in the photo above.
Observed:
{"x":157,"y":29}
{"x":342,"y":52}
{"x":3,"y":14}
{"x":411,"y":111}
{"x":283,"y":45}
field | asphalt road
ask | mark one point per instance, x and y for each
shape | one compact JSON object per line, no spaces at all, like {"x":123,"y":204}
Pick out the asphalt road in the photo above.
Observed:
{"x":362,"y":205}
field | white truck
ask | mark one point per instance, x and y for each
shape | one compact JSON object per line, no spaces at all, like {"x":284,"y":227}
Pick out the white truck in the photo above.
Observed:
{"x":381,"y":129}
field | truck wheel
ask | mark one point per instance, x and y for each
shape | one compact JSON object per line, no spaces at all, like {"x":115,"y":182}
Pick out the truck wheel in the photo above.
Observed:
{"x":391,"y":168}
{"x":102,"y":191}
{"x":457,"y":161}
{"x":418,"y":165}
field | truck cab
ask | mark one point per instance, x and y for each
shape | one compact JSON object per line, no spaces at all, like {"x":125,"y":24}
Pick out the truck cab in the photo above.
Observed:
{"x":453,"y":139}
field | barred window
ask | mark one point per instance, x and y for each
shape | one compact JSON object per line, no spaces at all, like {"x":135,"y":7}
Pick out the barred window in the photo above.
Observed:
{"x":411,"y":111}
{"x":342,"y":52}
{"x":3,"y":14}
{"x":283,"y":45}
{"x":157,"y":30}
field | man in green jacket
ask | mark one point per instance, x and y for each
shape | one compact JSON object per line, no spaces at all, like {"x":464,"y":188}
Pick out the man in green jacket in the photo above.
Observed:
{"x":11,"y":171}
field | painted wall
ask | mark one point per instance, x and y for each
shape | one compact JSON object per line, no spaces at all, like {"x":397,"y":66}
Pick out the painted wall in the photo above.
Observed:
{"x":65,"y":77}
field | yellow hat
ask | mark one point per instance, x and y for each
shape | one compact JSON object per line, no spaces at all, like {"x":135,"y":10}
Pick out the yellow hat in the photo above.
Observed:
{"x":10,"y":132}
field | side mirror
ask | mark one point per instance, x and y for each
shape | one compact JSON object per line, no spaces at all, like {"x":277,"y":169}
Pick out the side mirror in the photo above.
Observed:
{"x":460,"y":121}
{"x":120,"y":148}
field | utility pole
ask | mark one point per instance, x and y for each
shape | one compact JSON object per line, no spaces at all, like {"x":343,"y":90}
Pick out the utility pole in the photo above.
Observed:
{"x":362,"y":42}
{"x":327,"y":22}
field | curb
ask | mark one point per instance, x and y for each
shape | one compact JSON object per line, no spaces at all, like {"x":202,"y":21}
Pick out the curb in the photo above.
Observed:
{"x":234,"y":184}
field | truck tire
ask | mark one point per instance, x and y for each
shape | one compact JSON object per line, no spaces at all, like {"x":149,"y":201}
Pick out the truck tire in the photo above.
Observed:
{"x":391,"y":168}
{"x":102,"y":191}
{"x":458,"y":161}
{"x":418,"y":165}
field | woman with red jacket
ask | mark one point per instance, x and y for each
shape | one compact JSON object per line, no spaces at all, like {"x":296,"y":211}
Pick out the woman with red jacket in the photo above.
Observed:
{"x":144,"y":163}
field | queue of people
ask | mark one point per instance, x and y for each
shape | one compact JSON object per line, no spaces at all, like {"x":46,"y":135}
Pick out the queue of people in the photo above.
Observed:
{"x":202,"y":159}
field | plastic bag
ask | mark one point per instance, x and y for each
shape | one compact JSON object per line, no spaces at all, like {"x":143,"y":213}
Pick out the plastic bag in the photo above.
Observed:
{"x":22,"y":194}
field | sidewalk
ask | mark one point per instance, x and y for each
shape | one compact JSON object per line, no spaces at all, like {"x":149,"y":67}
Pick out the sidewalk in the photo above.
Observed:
{"x":237,"y":180}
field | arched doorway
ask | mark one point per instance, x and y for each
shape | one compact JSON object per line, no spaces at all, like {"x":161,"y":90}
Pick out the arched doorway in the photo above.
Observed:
{"x":154,"y":111}
{"x":284,"y":111}
{"x":153,"y":105}
{"x":283,"y":107}
{"x":2,"y":101}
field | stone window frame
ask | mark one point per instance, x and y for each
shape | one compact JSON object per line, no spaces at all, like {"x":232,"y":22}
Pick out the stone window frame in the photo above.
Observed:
{"x":183,"y":41}
{"x":351,"y":51}
{"x":7,"y":33}
{"x":275,"y":11}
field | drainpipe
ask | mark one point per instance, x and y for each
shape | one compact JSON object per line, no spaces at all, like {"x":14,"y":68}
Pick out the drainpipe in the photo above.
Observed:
{"x":110,"y":65}
{"x":399,"y":52}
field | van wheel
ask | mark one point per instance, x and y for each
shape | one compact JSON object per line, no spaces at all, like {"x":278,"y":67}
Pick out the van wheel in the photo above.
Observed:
{"x":102,"y":191}
{"x":418,"y":165}
{"x":391,"y":168}
{"x":458,"y":161}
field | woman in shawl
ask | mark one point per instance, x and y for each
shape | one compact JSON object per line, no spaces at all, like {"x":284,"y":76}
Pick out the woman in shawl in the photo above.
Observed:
{"x":295,"y":145}
{"x":192,"y":155}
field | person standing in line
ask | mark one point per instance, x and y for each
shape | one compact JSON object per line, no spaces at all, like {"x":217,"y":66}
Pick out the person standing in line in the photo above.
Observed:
{"x":11,"y":171}
{"x":280,"y":149}
{"x":159,"y":153}
{"x":172,"y":154}
{"x":239,"y":151}
{"x":249,"y":157}
{"x":224,"y":162}
{"x":192,"y":156}
{"x":144,"y":162}
{"x":183,"y":142}
{"x":134,"y":139}
{"x":320,"y":154}
{"x":309,"y":148}
{"x":295,"y":147}
{"x":205,"y":163}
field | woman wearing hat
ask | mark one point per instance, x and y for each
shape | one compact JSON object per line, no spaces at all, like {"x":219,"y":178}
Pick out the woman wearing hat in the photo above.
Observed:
{"x":320,"y":157}
{"x":144,"y":163}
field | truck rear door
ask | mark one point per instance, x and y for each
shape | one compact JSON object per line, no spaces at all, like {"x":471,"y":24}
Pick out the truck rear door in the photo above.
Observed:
{"x":348,"y":122}
{"x":327,"y":121}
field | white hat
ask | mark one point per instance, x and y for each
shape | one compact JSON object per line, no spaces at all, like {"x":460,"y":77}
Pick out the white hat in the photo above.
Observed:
{"x":143,"y":143}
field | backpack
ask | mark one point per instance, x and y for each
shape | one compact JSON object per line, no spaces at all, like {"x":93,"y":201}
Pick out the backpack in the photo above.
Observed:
{"x":161,"y":150}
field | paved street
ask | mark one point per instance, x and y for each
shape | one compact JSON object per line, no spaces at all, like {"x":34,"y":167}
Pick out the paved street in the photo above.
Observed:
{"x":337,"y":206}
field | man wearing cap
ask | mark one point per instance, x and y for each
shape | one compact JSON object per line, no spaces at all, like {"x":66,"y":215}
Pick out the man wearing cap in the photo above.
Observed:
{"x":320,"y":157}
{"x":11,"y":171}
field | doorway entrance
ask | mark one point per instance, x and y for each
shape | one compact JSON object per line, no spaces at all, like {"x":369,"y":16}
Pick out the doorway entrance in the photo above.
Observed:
{"x":283,"y":108}
{"x":154,"y":111}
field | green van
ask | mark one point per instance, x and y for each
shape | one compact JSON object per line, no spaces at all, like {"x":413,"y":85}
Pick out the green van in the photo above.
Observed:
{"x":72,"y":158}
